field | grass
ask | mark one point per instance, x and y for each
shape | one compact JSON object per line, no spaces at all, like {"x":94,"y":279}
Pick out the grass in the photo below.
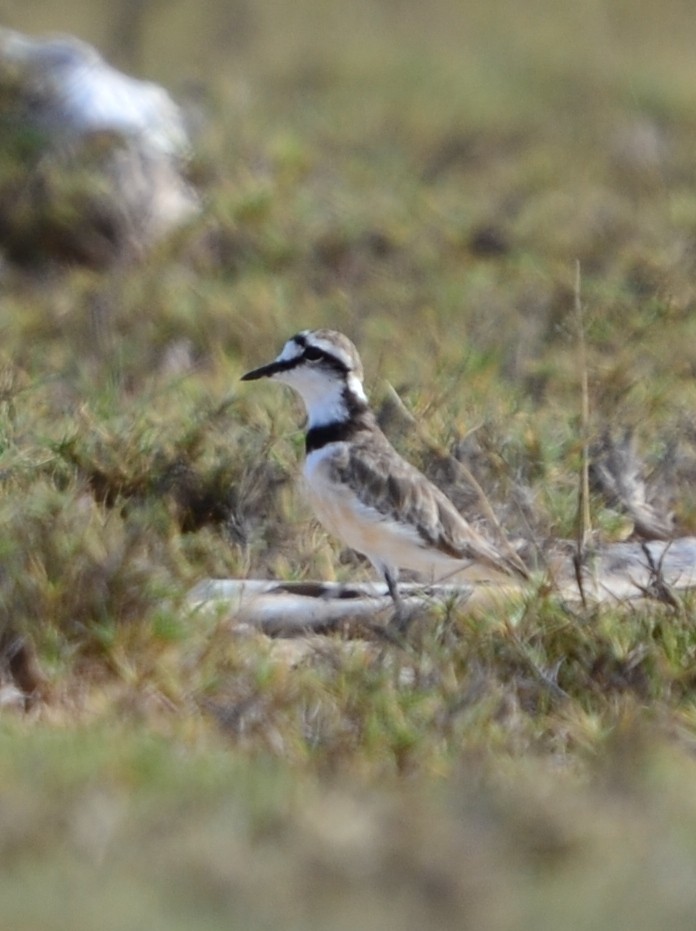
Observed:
{"x":426,"y":182}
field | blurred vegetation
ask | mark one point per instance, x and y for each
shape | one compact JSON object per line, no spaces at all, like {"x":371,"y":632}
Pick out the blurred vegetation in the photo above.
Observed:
{"x":424,"y":178}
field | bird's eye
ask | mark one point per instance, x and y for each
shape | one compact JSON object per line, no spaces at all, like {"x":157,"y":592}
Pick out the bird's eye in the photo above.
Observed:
{"x":313,"y":354}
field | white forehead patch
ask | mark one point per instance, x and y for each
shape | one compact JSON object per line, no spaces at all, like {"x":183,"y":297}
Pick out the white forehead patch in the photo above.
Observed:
{"x":291,"y":350}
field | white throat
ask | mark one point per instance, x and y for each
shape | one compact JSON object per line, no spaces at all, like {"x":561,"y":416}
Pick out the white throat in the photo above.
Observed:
{"x":326,"y":399}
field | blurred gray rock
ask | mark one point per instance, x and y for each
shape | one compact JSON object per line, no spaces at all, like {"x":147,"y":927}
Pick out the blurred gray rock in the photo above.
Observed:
{"x":92,"y":162}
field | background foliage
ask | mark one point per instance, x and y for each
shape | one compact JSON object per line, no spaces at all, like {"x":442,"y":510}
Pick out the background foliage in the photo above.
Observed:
{"x":423,"y":177}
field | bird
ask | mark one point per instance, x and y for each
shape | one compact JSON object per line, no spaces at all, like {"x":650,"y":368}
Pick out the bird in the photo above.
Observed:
{"x":361,"y":489}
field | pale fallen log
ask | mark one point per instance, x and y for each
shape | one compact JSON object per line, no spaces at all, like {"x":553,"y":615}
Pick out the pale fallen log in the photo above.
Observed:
{"x":621,"y":571}
{"x":295,"y":607}
{"x":615,"y":573}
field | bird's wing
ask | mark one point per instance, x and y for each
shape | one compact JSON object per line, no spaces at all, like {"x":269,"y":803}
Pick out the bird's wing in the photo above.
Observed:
{"x":385,"y":482}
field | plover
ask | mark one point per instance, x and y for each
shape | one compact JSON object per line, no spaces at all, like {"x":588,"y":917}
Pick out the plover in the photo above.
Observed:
{"x":361,"y":489}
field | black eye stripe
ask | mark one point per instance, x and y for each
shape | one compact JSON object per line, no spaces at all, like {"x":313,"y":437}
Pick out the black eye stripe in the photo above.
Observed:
{"x":312,"y":353}
{"x":327,"y":359}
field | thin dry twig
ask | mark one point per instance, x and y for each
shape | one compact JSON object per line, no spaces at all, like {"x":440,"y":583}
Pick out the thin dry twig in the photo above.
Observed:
{"x":617,"y":472}
{"x":584,"y":528}
{"x":658,"y":586}
{"x":584,"y":522}
{"x":547,"y":679}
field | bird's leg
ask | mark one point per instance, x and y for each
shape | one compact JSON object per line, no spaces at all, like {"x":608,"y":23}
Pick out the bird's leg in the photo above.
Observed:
{"x":401,"y":614}
{"x":392,"y":580}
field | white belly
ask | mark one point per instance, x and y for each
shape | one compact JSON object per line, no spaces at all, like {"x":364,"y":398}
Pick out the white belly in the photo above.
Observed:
{"x":385,"y":541}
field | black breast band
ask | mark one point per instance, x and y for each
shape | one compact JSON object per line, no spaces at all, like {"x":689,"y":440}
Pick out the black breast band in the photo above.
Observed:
{"x":335,"y":432}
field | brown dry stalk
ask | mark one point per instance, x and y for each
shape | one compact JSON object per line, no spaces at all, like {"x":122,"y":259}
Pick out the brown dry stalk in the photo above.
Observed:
{"x":584,"y":523}
{"x":584,"y":518}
